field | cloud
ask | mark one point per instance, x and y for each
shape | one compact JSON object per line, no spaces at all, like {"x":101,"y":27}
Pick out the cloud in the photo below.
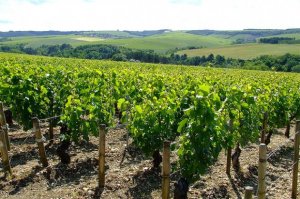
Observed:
{"x":88,"y":1}
{"x":147,"y":14}
{"x":4,"y":21}
{"x":191,"y":2}
{"x":34,"y":2}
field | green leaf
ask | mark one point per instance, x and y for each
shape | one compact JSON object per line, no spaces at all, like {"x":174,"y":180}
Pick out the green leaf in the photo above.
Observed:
{"x":245,"y":105}
{"x":69,"y":102}
{"x":181,"y":125}
{"x":44,"y":90}
{"x":120,"y":102}
{"x":139,"y":109}
{"x":205,"y":89}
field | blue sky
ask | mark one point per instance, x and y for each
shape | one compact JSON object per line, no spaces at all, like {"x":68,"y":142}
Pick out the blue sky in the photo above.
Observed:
{"x":147,"y":14}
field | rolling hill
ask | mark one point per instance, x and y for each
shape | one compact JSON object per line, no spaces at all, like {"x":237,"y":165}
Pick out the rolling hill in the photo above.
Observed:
{"x":236,"y":44}
{"x":159,"y":42}
{"x":245,"y":51}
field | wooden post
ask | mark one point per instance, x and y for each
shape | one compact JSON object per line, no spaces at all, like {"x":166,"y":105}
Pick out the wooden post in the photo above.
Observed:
{"x":264,"y":128}
{"x":166,"y":171}
{"x":296,"y":160}
{"x":228,"y":164}
{"x":102,"y":156}
{"x":262,"y":166}
{"x":51,"y":136}
{"x":39,"y":140}
{"x":4,"y":152}
{"x":4,"y":127}
{"x":287,"y":130}
{"x":229,"y":151}
{"x":248,"y":192}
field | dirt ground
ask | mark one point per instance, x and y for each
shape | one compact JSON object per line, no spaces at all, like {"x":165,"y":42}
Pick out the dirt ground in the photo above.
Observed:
{"x":129,"y":173}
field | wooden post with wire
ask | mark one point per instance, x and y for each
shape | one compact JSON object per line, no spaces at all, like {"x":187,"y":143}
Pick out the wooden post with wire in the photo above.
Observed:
{"x":296,"y":160}
{"x":4,"y":153}
{"x":248,"y":192}
{"x":4,"y":127}
{"x":229,"y":150}
{"x":264,"y":128}
{"x":166,"y":171}
{"x":40,"y":141}
{"x":228,"y":164}
{"x":262,"y":166}
{"x":51,"y":134}
{"x":102,"y":156}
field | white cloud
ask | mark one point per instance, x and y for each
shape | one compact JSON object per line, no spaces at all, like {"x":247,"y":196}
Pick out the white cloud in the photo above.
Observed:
{"x":3,"y":21}
{"x":147,"y":14}
{"x":193,"y":2}
{"x":37,"y":2}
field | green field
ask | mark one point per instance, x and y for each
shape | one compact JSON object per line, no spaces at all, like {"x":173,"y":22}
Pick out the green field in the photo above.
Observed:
{"x":295,"y":35}
{"x":120,"y":34}
{"x":246,"y":51}
{"x":159,"y":43}
{"x":37,"y":41}
{"x":167,"y":41}
{"x":215,"y":42}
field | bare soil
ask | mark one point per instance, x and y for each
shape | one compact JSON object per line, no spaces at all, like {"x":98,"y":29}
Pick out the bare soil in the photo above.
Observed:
{"x":129,"y":174}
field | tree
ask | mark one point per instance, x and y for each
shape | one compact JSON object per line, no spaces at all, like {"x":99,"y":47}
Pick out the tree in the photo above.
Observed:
{"x":210,"y":58}
{"x":296,"y":68}
{"x":219,"y":60}
{"x":119,"y":57}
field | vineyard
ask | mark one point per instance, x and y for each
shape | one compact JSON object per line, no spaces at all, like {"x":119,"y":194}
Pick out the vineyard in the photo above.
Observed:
{"x":201,"y":111}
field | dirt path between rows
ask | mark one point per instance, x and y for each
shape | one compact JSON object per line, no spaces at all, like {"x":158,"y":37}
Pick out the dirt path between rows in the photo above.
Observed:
{"x":129,"y":173}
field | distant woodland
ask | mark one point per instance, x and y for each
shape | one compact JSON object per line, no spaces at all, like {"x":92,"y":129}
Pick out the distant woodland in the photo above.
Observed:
{"x":287,"y":62}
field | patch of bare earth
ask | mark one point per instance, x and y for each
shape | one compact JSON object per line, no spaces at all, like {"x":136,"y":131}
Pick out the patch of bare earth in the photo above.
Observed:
{"x":129,"y":173}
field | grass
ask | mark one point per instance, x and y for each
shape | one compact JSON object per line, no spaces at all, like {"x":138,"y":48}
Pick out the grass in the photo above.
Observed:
{"x":167,"y":41}
{"x":246,"y":51}
{"x":113,"y":33}
{"x":46,"y":40}
{"x":160,"y":43}
{"x":296,"y":35}
{"x":88,"y":39}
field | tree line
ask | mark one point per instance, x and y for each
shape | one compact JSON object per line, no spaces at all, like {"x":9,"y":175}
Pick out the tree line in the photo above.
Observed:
{"x":287,"y":62}
{"x":276,"y":40}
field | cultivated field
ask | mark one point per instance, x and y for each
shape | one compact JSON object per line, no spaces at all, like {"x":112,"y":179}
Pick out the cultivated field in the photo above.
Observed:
{"x":159,"y":43}
{"x":246,"y":51}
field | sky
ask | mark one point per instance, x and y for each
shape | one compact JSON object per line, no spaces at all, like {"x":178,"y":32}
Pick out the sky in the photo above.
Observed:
{"x":67,"y":15}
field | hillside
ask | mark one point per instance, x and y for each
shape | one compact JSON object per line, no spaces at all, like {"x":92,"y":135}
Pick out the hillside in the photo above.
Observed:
{"x":247,"y":35}
{"x":245,"y":51}
{"x":165,"y":41}
{"x":158,"y":42}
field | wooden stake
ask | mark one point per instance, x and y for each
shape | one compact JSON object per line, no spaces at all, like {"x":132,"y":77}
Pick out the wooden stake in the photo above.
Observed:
{"x":248,"y":192}
{"x":4,"y":152}
{"x":51,"y":136}
{"x":296,"y":160}
{"x":264,"y":128}
{"x":229,"y":151}
{"x":39,"y":140}
{"x":4,"y":127}
{"x":102,"y":156}
{"x":166,"y":171}
{"x":228,"y":164}
{"x":288,"y":128}
{"x":262,"y":166}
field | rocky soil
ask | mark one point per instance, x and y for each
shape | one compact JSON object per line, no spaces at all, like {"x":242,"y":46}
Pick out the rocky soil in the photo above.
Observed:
{"x":129,"y":174}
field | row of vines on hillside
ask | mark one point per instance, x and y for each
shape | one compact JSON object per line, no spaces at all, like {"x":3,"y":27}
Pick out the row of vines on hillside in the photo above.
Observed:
{"x":192,"y":107}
